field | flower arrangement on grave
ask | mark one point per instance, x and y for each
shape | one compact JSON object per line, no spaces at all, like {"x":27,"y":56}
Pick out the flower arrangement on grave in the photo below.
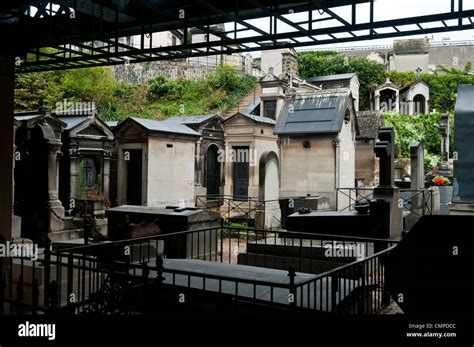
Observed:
{"x":441,"y":181}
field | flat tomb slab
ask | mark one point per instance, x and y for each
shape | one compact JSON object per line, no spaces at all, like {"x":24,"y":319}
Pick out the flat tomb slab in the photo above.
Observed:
{"x":316,"y":295}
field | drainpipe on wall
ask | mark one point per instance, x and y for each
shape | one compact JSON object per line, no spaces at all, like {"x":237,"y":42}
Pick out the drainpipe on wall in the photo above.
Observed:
{"x":337,"y":149}
{"x":279,"y":142}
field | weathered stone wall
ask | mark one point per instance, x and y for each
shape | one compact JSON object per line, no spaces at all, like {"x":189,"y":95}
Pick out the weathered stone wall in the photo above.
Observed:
{"x":366,"y":162}
{"x":170,"y":179}
{"x":141,"y":73}
{"x":457,"y":56}
{"x":308,"y":171}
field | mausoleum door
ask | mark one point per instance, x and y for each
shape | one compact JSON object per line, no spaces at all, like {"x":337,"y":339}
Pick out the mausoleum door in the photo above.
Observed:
{"x":240,"y":175}
{"x":89,"y":173}
{"x":212,"y":171}
{"x":388,"y":99}
{"x":134,"y":177}
{"x":419,"y":104}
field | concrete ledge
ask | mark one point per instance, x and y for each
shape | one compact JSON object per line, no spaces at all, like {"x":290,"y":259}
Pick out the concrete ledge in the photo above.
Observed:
{"x":458,"y":209}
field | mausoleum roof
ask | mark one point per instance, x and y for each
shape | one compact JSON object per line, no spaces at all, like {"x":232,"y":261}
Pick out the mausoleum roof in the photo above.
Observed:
{"x":318,"y":112}
{"x":73,"y":122}
{"x":339,"y":77}
{"x":112,"y":123}
{"x":258,"y":119}
{"x":162,"y":126}
{"x":191,"y":120}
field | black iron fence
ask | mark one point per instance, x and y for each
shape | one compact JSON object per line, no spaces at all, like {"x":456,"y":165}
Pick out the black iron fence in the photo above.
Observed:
{"x":290,"y":271}
{"x":246,"y":209}
{"x":417,"y":201}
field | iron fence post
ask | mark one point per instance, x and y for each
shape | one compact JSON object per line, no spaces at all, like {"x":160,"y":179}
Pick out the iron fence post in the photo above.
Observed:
{"x":47,"y":270}
{"x":70,"y":278}
{"x":222,"y":240}
{"x":334,"y":290}
{"x":2,"y":288}
{"x":292,"y":298}
{"x":35,"y":297}
{"x":385,"y":293}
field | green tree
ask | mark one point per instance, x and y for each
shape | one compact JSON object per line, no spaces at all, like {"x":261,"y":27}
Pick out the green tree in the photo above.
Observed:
{"x":370,"y":73}
{"x":36,"y":89}
{"x":96,"y":84}
{"x":422,"y":128}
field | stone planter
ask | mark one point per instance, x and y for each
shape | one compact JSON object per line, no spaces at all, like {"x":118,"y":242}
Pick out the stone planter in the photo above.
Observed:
{"x":445,"y":197}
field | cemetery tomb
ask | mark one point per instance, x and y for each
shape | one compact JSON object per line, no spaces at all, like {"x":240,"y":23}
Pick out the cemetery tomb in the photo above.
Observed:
{"x":156,"y":162}
{"x":463,"y":195}
{"x":317,"y":144}
{"x":209,"y":170}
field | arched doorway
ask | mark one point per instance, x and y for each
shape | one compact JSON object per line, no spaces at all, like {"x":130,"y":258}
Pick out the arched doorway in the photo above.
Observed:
{"x":213,"y":171}
{"x":269,"y":191}
{"x":419,"y":102}
{"x":388,"y":100}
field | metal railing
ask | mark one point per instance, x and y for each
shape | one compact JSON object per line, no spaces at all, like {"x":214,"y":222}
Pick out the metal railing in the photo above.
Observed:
{"x":416,"y":201}
{"x":143,"y":275}
{"x":234,"y":208}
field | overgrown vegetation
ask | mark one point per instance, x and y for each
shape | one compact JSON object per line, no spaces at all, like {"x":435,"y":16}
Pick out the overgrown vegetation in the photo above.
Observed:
{"x":321,"y":63}
{"x":443,"y":82}
{"x":160,"y":99}
{"x":419,"y":128}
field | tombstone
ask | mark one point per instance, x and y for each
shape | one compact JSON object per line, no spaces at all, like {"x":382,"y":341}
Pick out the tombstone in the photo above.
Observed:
{"x":444,"y":131}
{"x":417,"y":163}
{"x":417,"y":175}
{"x":385,"y":151}
{"x":385,"y":207}
{"x":463,"y":197}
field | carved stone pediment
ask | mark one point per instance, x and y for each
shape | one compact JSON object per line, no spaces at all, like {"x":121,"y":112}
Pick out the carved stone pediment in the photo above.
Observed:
{"x":92,"y":126}
{"x":132,"y":133}
{"x":215,"y":124}
{"x":92,"y":130}
{"x":269,"y":77}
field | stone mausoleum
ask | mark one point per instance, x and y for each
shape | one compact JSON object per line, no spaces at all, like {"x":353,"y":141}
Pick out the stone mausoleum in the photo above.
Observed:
{"x":317,"y":133}
{"x":155,"y":163}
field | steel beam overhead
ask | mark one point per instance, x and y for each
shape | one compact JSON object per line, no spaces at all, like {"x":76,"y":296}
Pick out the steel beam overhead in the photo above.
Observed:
{"x":54,"y":35}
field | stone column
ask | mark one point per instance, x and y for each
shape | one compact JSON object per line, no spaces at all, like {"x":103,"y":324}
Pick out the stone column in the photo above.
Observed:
{"x":377,"y":101}
{"x":397,"y":102}
{"x":56,"y":208}
{"x":16,"y":220}
{"x":6,"y":145}
{"x":73,"y":167}
{"x":106,"y":174}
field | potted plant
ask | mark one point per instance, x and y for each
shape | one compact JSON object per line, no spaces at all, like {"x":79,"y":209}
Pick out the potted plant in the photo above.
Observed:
{"x":445,"y":188}
{"x":441,"y":181}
